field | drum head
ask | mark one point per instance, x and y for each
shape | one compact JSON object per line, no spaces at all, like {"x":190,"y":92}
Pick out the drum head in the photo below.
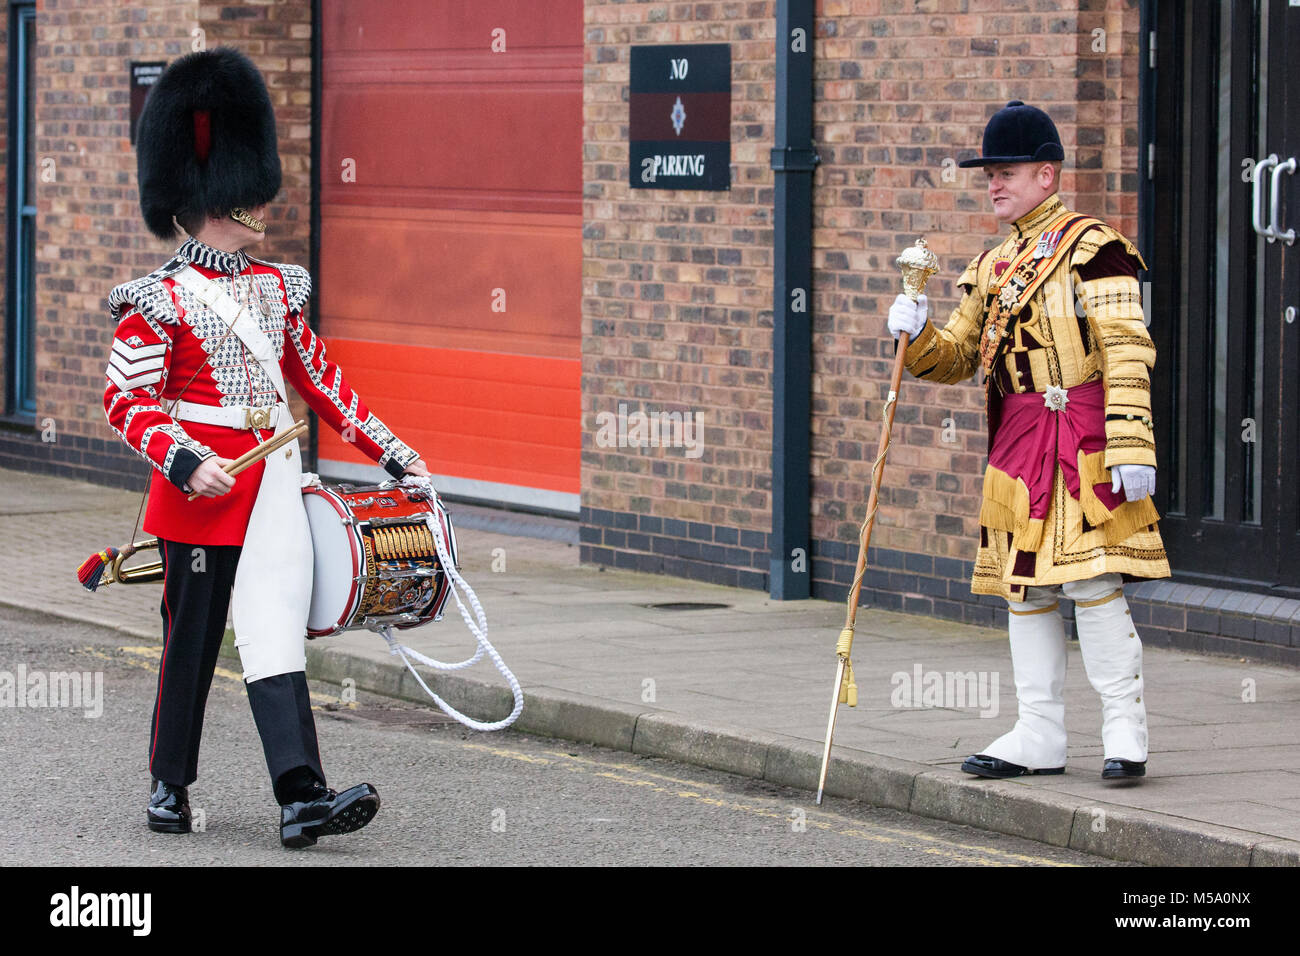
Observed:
{"x":337,"y":558}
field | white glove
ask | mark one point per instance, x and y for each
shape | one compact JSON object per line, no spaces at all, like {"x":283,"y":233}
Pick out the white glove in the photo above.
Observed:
{"x":907,"y":316}
{"x":1138,"y":481}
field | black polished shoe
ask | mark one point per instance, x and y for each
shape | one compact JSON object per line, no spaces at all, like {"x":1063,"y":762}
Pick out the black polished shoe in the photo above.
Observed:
{"x":322,"y":812}
{"x":982,"y":765}
{"x":169,"y":808}
{"x":1116,"y":769}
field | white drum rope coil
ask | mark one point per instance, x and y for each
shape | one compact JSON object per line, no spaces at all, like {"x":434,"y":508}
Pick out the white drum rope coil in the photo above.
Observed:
{"x":477,"y":625}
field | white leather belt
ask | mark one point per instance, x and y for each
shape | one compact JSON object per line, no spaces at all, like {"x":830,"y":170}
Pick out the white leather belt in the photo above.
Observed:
{"x":231,"y":416}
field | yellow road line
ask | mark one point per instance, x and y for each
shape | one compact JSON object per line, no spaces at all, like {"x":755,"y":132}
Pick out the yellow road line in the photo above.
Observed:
{"x":146,"y":657}
{"x":700,"y":792}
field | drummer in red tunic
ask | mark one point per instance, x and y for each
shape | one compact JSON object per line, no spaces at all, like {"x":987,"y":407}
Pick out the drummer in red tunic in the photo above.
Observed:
{"x":197,"y":376}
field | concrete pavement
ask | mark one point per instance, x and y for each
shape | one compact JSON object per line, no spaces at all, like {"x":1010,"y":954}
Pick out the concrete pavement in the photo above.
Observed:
{"x":746,"y":687}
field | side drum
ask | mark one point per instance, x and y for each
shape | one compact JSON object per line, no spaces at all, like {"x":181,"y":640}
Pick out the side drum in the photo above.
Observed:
{"x":375,"y":558}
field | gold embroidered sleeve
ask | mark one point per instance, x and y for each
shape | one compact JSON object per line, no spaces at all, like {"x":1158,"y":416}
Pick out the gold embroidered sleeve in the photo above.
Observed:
{"x":1114,"y":308}
{"x":950,"y":354}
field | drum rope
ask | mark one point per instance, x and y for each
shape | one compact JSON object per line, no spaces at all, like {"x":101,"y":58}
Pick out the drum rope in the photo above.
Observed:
{"x":477,"y":626}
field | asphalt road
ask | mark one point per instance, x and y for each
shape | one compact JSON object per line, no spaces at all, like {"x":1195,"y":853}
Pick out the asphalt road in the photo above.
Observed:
{"x":75,"y":787}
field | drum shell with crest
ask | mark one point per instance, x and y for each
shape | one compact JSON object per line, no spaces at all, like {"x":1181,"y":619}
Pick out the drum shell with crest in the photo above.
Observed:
{"x":375,"y":559}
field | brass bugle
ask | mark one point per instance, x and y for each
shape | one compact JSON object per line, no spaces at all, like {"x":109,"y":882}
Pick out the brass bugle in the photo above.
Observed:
{"x":141,"y":573}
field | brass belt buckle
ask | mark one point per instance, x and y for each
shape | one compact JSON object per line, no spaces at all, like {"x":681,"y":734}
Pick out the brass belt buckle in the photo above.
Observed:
{"x":258,"y":417}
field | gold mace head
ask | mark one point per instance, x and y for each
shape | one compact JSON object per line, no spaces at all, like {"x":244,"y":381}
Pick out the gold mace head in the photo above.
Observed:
{"x":917,"y":263}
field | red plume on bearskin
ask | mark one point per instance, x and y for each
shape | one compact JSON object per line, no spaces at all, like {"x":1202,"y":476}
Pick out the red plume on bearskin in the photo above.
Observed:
{"x":206,"y":140}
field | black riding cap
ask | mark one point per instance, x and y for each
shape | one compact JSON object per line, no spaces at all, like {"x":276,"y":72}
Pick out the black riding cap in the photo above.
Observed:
{"x":206,"y":141}
{"x":1019,"y":134}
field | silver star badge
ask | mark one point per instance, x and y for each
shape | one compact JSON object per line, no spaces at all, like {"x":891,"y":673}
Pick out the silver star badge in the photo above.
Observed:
{"x":1055,"y":398}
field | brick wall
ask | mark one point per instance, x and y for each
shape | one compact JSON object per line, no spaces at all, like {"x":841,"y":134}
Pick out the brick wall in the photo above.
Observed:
{"x":1109,"y":48}
{"x":276,"y":34}
{"x":677,"y":286}
{"x":90,"y":236}
{"x":677,"y":310}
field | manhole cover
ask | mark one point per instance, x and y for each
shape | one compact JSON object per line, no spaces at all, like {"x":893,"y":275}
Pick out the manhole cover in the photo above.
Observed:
{"x":687,"y":606}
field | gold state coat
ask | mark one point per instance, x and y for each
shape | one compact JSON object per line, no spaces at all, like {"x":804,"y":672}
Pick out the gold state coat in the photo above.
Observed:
{"x":1060,"y":339}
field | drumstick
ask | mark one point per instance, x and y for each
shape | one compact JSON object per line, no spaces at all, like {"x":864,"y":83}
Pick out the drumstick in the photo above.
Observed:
{"x":254,"y":455}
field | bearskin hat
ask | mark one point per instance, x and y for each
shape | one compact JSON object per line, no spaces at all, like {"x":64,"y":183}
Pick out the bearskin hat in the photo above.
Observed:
{"x":205,"y":143}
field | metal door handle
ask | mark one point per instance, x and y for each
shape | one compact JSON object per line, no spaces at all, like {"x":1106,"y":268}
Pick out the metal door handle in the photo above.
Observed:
{"x":1273,"y":227}
{"x":1257,"y":200}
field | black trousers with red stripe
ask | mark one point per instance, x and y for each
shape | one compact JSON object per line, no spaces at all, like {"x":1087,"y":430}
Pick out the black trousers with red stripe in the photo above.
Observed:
{"x":197,"y":583}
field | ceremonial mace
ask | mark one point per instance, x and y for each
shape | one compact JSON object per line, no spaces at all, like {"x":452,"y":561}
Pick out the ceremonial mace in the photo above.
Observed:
{"x":917,"y":264}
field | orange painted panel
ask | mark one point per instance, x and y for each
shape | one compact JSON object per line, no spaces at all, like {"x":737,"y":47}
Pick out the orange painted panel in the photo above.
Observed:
{"x":489,"y":416}
{"x":446,"y":25}
{"x":485,"y":281}
{"x":508,"y":146}
{"x":450,"y":272}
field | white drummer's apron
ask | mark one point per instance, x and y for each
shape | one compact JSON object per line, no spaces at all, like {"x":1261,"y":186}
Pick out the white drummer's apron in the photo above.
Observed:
{"x":273,"y":580}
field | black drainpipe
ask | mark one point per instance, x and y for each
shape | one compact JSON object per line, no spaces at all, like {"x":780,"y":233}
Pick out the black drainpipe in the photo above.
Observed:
{"x":793,"y":162}
{"x":1146,"y":131}
{"x":313,"y":253}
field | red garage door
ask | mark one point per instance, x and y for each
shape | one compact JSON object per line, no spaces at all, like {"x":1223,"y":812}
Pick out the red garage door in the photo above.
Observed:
{"x":451,"y":229}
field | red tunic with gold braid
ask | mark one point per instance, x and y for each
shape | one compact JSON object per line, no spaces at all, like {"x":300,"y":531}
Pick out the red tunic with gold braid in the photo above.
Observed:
{"x":166,"y":340}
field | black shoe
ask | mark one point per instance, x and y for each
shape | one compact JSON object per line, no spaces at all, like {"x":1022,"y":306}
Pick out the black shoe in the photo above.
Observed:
{"x":982,"y":765}
{"x":322,"y":812}
{"x":1116,"y":769}
{"x":169,"y":808}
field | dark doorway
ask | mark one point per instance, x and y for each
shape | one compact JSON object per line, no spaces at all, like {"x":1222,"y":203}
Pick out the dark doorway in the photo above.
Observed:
{"x":1224,"y":123}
